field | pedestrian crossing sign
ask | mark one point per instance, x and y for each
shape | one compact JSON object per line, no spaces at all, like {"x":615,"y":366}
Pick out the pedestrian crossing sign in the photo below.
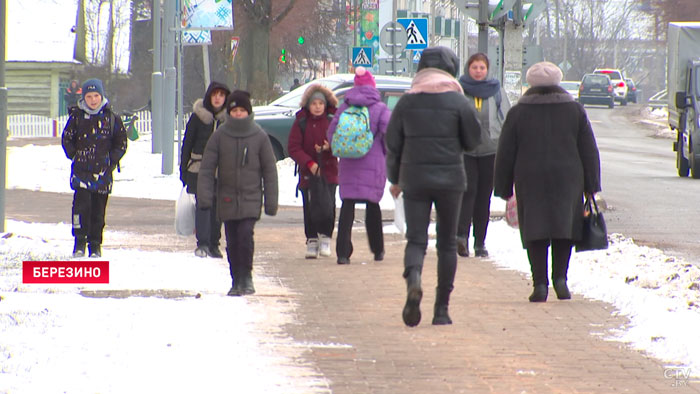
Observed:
{"x":362,"y":56}
{"x":416,"y":32}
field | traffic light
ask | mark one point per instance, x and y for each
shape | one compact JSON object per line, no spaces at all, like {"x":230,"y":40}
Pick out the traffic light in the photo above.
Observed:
{"x":497,"y":8}
{"x":283,"y":56}
{"x":300,"y":40}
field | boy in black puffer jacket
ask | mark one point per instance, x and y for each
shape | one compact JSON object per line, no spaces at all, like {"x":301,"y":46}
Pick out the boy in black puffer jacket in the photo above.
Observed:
{"x":95,"y":140}
{"x":207,"y":114}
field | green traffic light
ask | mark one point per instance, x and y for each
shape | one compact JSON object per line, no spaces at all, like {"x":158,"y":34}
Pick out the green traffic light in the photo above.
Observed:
{"x":300,"y":40}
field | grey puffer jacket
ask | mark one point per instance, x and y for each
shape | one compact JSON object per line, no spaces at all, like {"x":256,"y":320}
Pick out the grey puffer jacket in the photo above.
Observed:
{"x":491,"y":120}
{"x":429,"y":130}
{"x":247,"y":171}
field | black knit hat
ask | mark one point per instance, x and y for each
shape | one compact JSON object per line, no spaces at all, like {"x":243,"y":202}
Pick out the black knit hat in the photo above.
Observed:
{"x":439,"y":57}
{"x":239,"y":98}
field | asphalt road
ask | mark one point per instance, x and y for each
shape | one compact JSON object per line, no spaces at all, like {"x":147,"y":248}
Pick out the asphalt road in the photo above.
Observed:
{"x":646,"y":198}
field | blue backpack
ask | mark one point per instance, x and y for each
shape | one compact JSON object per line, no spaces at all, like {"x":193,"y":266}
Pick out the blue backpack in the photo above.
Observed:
{"x":353,"y":137}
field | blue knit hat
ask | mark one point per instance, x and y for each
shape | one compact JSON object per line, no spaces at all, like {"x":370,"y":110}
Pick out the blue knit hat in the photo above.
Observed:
{"x":93,"y":85}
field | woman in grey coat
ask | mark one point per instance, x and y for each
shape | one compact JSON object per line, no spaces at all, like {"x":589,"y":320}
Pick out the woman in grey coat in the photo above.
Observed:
{"x":548,"y":151}
{"x":491,"y":103}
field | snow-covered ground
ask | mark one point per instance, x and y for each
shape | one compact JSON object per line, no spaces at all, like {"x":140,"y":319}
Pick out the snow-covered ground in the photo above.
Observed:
{"x":56,"y":340}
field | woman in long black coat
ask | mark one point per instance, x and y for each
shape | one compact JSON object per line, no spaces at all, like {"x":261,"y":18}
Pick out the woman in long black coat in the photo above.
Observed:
{"x":547,"y":150}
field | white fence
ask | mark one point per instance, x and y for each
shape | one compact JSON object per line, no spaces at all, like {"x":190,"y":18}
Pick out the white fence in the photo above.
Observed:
{"x":41,"y":126}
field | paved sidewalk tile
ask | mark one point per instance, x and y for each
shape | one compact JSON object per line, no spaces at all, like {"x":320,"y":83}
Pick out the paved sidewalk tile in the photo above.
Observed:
{"x":499,"y":342}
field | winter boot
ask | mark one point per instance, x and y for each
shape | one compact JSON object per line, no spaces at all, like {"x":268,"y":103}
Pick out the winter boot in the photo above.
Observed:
{"x":539,"y":293}
{"x":311,"y":248}
{"x":324,"y":248}
{"x":462,"y":247}
{"x":561,"y":289}
{"x":95,"y":250}
{"x":480,"y":250}
{"x":202,"y":251}
{"x":246,"y":284}
{"x":215,"y":252}
{"x":442,"y":300}
{"x":414,"y":294}
{"x":79,"y":247}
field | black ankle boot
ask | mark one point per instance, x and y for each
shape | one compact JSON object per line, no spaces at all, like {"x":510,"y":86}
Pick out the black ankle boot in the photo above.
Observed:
{"x":79,"y":247}
{"x":462,"y":247}
{"x":442,"y":300}
{"x":95,"y":250}
{"x":247,"y":287}
{"x":480,"y":250}
{"x":539,"y":294}
{"x":414,"y":294}
{"x":561,"y":289}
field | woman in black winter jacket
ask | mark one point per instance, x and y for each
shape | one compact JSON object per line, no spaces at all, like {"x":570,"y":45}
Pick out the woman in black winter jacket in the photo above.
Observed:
{"x":548,"y":152}
{"x":430,"y":128}
{"x":207,"y":114}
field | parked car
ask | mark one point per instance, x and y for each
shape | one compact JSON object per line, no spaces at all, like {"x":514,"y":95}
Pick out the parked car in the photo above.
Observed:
{"x":278,"y":117}
{"x":618,"y":80}
{"x":571,"y":87}
{"x":596,"y":89}
{"x":631,"y":90}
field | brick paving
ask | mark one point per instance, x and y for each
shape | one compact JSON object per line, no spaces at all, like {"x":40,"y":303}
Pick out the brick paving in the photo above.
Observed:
{"x":350,"y":316}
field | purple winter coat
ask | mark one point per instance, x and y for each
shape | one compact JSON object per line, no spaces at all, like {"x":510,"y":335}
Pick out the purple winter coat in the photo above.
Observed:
{"x":364,"y":178}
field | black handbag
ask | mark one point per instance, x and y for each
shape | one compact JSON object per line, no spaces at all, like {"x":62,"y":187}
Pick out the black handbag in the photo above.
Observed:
{"x":595,"y":233}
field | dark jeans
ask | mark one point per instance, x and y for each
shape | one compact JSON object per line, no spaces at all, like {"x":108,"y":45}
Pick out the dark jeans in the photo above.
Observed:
{"x":476,"y":202}
{"x":207,"y":226}
{"x":418,"y":206}
{"x":311,"y":229}
{"x":89,"y":215}
{"x":373,"y":224}
{"x":239,"y":245}
{"x":537,"y":254}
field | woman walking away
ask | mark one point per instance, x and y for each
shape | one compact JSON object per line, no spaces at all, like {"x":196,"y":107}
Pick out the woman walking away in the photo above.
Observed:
{"x":548,"y":151}
{"x":207,"y":114}
{"x":430,"y":128}
{"x":94,"y":139}
{"x":362,"y":180}
{"x":491,"y":103}
{"x":241,"y":153}
{"x":308,"y":146}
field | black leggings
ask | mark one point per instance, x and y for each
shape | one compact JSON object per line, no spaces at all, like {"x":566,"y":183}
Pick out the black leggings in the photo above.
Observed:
{"x":537,"y":254}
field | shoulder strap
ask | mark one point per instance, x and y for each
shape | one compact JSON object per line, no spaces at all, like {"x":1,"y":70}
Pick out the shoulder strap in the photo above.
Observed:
{"x":499,"y":99}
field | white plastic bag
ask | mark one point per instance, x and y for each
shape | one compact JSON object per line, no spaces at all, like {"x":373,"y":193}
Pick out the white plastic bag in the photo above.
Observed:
{"x":184,"y":213}
{"x":399,"y":214}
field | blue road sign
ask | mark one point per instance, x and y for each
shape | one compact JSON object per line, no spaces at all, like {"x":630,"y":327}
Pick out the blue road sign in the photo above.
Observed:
{"x":362,"y":56}
{"x":416,"y":56}
{"x":416,"y":32}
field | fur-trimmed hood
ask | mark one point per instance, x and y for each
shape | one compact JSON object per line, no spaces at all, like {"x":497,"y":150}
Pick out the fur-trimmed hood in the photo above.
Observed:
{"x":546,"y":95}
{"x":331,"y":100}
{"x":204,"y":115}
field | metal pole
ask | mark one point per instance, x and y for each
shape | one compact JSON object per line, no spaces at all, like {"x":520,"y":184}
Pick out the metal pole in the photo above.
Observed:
{"x":156,"y":82}
{"x":205,"y":64}
{"x":180,"y":93}
{"x":169,"y":85}
{"x":483,"y":26}
{"x":3,"y":113}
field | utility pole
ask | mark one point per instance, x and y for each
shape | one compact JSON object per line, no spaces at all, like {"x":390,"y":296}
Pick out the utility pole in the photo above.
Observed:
{"x":3,"y":112}
{"x":169,"y":82}
{"x":483,"y":26}
{"x":156,"y":82}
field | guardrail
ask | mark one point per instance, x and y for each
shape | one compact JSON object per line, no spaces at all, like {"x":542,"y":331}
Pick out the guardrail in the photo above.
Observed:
{"x":659,"y":100}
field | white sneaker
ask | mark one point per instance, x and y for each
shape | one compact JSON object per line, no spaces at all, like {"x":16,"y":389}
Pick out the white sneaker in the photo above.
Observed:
{"x":325,"y":247}
{"x":311,"y":248}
